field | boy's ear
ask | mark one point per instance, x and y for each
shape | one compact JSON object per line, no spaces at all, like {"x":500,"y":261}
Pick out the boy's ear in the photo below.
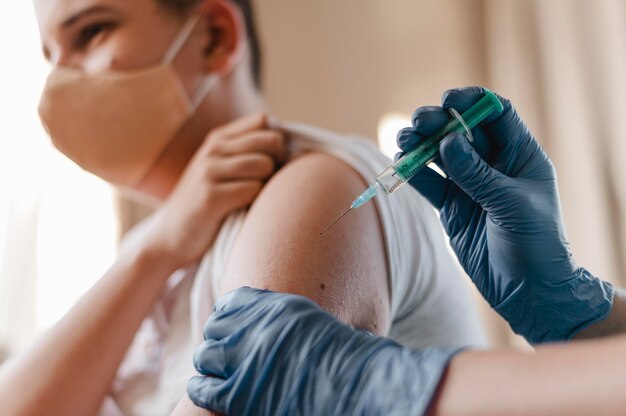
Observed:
{"x":225,"y":35}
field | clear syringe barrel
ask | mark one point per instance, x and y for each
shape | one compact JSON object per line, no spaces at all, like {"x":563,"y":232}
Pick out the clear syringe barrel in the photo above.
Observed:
{"x":417,"y":159}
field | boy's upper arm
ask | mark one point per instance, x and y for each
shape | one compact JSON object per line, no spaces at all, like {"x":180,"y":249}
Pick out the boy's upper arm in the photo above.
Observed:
{"x":280,"y":248}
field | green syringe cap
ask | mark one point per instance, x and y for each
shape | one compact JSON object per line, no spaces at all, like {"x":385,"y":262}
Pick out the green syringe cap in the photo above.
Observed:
{"x":486,"y":106}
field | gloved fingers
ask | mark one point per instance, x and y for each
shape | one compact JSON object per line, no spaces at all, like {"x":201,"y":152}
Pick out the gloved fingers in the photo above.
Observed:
{"x":209,"y":359}
{"x":503,"y":129}
{"x":243,"y":309}
{"x":432,"y":186}
{"x":239,"y":297}
{"x":463,"y":98}
{"x":408,"y":139}
{"x":220,"y":325}
{"x":429,"y":119}
{"x":224,"y":325}
{"x":209,"y":393}
{"x":231,"y":310}
{"x":426,"y":121}
{"x":470,"y":172}
{"x":503,"y":140}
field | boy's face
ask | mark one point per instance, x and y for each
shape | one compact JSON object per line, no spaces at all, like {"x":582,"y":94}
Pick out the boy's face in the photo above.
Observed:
{"x":102,"y":35}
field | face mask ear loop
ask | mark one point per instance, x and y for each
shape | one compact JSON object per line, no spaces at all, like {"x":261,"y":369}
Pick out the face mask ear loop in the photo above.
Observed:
{"x":182,"y":38}
{"x":175,"y":49}
{"x":212,"y":80}
{"x":203,"y":91}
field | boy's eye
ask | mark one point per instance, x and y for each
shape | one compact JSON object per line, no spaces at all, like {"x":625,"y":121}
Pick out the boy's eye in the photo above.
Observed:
{"x":87,"y":35}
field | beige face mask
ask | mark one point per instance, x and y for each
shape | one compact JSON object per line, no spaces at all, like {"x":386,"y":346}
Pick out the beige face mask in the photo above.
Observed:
{"x":116,"y":124}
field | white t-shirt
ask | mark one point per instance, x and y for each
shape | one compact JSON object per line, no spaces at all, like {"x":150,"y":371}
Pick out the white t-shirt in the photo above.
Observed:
{"x":430,"y":302}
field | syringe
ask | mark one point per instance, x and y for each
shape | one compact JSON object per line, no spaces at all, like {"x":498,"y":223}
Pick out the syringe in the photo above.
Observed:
{"x":396,"y":175}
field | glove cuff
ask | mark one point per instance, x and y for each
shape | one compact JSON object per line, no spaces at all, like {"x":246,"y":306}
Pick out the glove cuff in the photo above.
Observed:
{"x":399,"y":381}
{"x":553,"y":313}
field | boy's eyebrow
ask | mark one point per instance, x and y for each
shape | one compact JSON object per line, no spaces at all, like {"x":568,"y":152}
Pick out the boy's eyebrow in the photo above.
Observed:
{"x":76,"y":17}
{"x":83,"y":13}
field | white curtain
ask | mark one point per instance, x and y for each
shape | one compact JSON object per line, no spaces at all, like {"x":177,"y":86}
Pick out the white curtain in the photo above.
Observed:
{"x":563,"y":63}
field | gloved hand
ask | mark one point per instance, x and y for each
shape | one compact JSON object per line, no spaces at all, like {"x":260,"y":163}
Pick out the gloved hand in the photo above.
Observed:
{"x":500,"y":208}
{"x":276,"y":354}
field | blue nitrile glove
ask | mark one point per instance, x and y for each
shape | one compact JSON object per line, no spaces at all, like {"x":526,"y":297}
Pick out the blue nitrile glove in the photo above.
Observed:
{"x":500,"y":208}
{"x":276,"y":354}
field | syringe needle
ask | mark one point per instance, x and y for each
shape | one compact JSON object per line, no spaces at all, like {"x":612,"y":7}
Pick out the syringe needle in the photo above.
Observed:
{"x":336,"y":221}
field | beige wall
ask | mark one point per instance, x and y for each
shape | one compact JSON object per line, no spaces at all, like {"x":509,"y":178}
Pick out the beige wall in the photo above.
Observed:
{"x":343,"y":64}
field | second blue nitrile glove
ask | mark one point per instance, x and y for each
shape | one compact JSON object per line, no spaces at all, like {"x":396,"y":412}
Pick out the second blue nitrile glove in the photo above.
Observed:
{"x":500,"y":208}
{"x":276,"y":354}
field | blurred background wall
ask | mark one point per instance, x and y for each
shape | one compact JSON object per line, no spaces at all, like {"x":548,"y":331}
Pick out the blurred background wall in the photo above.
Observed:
{"x":346,"y":64}
{"x":355,"y":66}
